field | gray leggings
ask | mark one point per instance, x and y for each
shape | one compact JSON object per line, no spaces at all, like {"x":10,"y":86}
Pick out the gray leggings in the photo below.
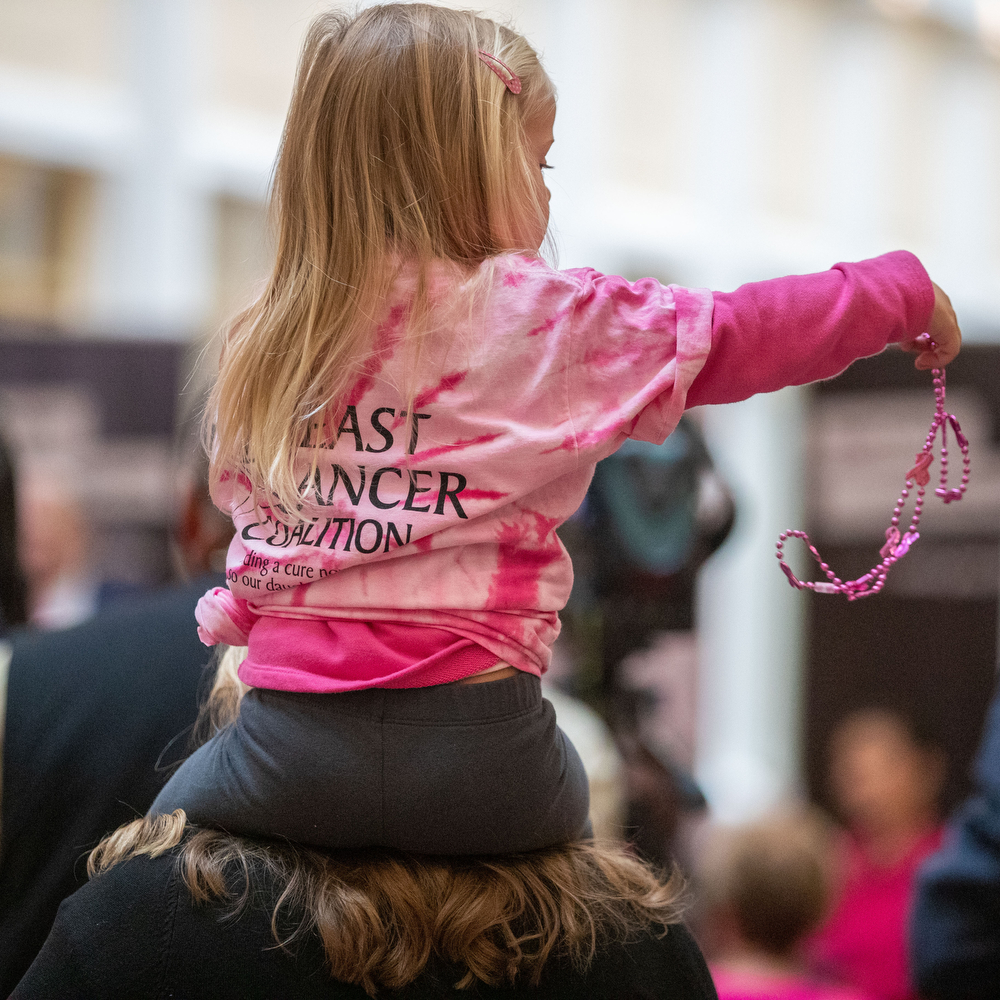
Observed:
{"x":452,"y":769}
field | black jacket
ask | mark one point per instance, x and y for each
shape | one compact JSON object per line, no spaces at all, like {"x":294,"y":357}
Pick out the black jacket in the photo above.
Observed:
{"x":89,"y":712}
{"x":955,"y":920}
{"x":134,"y":932}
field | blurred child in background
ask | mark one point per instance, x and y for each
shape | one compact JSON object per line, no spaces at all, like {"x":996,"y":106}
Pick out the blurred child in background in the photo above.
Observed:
{"x":765,"y":887}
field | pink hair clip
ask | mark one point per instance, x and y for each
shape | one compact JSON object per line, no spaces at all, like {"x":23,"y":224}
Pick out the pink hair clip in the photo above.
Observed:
{"x":507,"y":76}
{"x":896,"y":544}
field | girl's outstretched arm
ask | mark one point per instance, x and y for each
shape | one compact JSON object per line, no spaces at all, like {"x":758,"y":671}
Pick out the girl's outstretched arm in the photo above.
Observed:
{"x":794,"y":330}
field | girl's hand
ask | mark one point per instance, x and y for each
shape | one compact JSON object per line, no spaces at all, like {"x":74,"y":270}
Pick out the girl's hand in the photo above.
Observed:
{"x":943,"y":330}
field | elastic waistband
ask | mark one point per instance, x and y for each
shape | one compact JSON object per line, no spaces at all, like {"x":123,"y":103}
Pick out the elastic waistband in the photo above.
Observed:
{"x":441,"y":703}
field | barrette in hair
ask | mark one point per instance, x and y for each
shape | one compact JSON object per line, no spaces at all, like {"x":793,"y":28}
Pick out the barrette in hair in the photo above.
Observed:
{"x":507,"y":76}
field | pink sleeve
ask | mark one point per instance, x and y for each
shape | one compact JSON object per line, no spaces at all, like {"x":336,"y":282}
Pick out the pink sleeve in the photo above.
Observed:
{"x":631,"y":351}
{"x":794,"y":330}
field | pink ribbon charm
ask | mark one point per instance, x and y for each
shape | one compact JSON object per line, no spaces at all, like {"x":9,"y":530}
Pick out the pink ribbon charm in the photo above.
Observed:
{"x":904,"y":544}
{"x":963,"y":441}
{"x":891,"y":541}
{"x":224,"y":618}
{"x":948,"y":495}
{"x":919,"y":471}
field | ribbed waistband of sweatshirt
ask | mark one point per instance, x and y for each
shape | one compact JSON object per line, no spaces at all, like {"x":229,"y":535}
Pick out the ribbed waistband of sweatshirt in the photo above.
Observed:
{"x":443,"y":703}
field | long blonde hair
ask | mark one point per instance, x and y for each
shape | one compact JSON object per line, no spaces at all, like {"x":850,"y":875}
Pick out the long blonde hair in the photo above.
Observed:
{"x":400,"y":147}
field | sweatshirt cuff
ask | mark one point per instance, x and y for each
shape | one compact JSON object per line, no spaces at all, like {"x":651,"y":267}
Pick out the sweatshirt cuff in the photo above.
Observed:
{"x":918,"y":294}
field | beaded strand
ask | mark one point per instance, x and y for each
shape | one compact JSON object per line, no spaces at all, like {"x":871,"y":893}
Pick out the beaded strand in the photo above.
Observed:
{"x":896,"y":545}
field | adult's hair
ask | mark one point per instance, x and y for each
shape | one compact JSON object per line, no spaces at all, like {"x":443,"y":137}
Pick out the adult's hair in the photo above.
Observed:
{"x":913,"y":725}
{"x":400,"y":147}
{"x":772,"y":878}
{"x":382,"y":916}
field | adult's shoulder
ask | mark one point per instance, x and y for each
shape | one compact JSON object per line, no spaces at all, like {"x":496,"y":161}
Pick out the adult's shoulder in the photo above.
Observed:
{"x":144,"y":655}
{"x":136,"y":931}
{"x":124,"y":681}
{"x":108,"y":937}
{"x":651,"y":966}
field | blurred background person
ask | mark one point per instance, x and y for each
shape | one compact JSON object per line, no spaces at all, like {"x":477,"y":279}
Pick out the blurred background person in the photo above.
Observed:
{"x":13,"y":592}
{"x":652,"y":516}
{"x":886,"y":774}
{"x":955,"y":924}
{"x":55,"y":553}
{"x":95,"y":717}
{"x":764,"y":886}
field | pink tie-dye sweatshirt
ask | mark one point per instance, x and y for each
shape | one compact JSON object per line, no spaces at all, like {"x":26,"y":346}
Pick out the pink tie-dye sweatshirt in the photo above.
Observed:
{"x":444,"y":517}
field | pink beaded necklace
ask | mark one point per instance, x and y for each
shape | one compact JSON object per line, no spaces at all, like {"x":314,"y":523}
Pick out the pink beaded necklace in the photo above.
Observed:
{"x":896,"y":544}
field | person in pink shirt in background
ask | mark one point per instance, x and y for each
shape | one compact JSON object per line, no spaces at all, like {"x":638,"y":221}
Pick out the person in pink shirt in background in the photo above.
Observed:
{"x":407,"y":414}
{"x":764,"y":887}
{"x":886,"y":776}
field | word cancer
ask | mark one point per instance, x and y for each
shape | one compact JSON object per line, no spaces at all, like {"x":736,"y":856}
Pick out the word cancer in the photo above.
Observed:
{"x":450,"y":486}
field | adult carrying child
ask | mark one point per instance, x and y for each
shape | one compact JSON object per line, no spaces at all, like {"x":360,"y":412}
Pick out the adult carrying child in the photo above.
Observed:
{"x":409,"y":410}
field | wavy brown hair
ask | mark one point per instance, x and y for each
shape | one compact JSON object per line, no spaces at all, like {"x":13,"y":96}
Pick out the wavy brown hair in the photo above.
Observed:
{"x":400,"y":147}
{"x":382,"y":915}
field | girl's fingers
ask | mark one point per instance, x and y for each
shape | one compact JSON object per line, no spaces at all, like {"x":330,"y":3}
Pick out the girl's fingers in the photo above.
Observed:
{"x":943,"y":340}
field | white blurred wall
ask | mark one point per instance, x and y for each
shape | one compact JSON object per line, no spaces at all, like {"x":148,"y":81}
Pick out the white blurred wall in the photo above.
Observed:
{"x":708,"y":142}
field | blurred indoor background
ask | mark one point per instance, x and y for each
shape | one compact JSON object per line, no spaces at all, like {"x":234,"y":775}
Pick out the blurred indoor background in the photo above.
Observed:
{"x":704,"y":142}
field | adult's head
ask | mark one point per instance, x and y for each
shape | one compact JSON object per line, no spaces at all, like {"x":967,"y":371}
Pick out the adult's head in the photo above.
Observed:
{"x":384,"y":919}
{"x":575,"y":916}
{"x":886,"y":773}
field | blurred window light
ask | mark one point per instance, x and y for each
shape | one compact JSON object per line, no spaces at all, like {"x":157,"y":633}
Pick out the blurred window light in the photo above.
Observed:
{"x":43,"y":241}
{"x":902,"y":8}
{"x":988,"y":23}
{"x":244,"y":255}
{"x":26,"y":249}
{"x":978,"y":17}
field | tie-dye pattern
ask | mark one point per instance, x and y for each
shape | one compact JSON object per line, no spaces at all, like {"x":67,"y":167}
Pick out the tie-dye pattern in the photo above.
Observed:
{"x":449,"y":519}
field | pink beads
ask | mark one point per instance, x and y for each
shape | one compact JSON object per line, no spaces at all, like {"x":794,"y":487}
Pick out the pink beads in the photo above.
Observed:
{"x":897,"y":544}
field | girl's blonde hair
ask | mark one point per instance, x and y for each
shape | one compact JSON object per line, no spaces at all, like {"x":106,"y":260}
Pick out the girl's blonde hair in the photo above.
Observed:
{"x":400,"y":147}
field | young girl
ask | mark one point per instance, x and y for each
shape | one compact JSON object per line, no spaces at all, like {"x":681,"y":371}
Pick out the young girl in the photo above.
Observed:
{"x":408,"y":412}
